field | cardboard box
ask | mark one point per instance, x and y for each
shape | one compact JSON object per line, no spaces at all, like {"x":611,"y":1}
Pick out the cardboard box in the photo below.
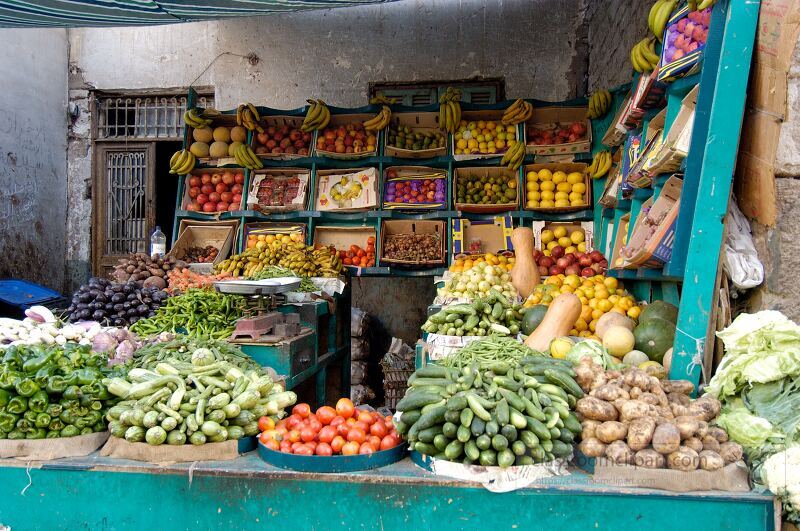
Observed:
{"x":486,"y":116}
{"x":587,"y":227}
{"x":292,"y":122}
{"x":273,"y":227}
{"x":545,"y":118}
{"x":566,"y":167}
{"x":615,"y":260}
{"x":347,"y":119}
{"x":640,"y":174}
{"x":417,"y":121}
{"x":187,"y":200}
{"x":480,"y":237}
{"x":222,"y":120}
{"x":485,"y":171}
{"x":348,"y":190}
{"x":628,"y":117}
{"x":650,"y":245}
{"x":688,"y":62}
{"x":409,"y":174}
{"x":199,"y":234}
{"x":282,"y":175}
{"x":342,"y":237}
{"x":420,"y":226}
{"x":668,"y":154}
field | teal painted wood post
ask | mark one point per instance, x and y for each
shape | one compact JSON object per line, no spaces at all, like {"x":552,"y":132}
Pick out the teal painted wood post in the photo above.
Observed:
{"x":714,"y":186}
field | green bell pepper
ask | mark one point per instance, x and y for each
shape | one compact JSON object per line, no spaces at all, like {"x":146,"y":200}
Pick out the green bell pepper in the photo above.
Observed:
{"x":5,"y":396}
{"x":34,"y":364}
{"x":87,"y":431}
{"x":72,"y":392}
{"x":9,"y":378}
{"x":12,"y":357}
{"x":84,"y":376}
{"x":68,"y":416}
{"x":42,"y":420}
{"x":17,"y":405}
{"x":70,"y":431}
{"x":93,"y":417}
{"x":30,"y":416}
{"x":53,"y":435}
{"x":38,"y":433}
{"x":54,"y":410}
{"x":38,"y":402}
{"x":16,"y":434}
{"x":100,"y":426}
{"x":81,"y":422}
{"x":56,"y":384}
{"x":26,"y":387}
{"x":56,"y":424}
{"x":45,"y":372}
{"x":8,"y":421}
{"x":24,"y":425}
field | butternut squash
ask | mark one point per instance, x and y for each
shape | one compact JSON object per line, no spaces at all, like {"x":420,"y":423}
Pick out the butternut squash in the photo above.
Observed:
{"x":525,"y":273}
{"x":558,"y":321}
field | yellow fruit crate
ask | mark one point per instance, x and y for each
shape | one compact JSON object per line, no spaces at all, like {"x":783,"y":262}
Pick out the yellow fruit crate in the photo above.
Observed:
{"x":557,"y":178}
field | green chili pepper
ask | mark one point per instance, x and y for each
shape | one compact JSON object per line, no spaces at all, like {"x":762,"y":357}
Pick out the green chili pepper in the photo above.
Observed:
{"x":9,"y":378}
{"x":34,"y":364}
{"x":12,"y":357}
{"x":54,"y":410}
{"x":24,"y":425}
{"x":56,"y":425}
{"x":8,"y":421}
{"x":16,"y":434}
{"x":56,"y":384}
{"x":42,"y":420}
{"x":72,"y":392}
{"x":26,"y":387}
{"x":84,"y":376}
{"x":5,"y":396}
{"x":17,"y":405}
{"x":52,"y":435}
{"x":38,"y":402}
{"x":38,"y":433}
{"x":70,"y":431}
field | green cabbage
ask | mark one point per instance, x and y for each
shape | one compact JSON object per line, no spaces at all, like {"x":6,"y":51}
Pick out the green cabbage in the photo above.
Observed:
{"x":745,"y":428}
{"x":593,"y":350}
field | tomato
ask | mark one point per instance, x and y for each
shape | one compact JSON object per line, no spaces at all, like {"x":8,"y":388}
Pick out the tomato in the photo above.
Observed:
{"x":345,"y":407}
{"x":388,"y":442}
{"x":293,"y":436}
{"x":379,"y":429}
{"x":371,"y":240}
{"x":265,"y":423}
{"x":303,"y":450}
{"x":311,"y":445}
{"x":326,"y":414}
{"x":296,"y":445}
{"x":350,"y":448}
{"x":336,"y":420}
{"x":366,"y":449}
{"x":286,"y":447}
{"x":273,"y":445}
{"x":265,"y":437}
{"x":282,"y":430}
{"x":356,"y":435}
{"x":342,"y":429}
{"x":324,"y":449}
{"x":307,"y":434}
{"x":361,"y":426}
{"x":337,"y":443}
{"x":314,"y":424}
{"x":326,"y":434}
{"x":303,"y":410}
{"x":374,"y":441}
{"x":293,"y":421}
{"x":366,"y":417}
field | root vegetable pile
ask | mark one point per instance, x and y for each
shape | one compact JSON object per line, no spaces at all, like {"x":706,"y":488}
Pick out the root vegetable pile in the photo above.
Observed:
{"x":141,"y":267}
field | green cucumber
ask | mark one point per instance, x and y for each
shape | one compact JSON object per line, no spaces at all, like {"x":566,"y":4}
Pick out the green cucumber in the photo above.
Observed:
{"x":532,"y":411}
{"x":555,"y":433}
{"x":488,"y":458}
{"x":507,"y":383}
{"x":427,"y":420}
{"x":564,"y":382}
{"x":471,"y":450}
{"x":505,"y":458}
{"x":483,"y":442}
{"x":425,"y":448}
{"x":477,"y":408}
{"x":449,"y":430}
{"x":561,"y":449}
{"x":400,"y":427}
{"x":433,"y":371}
{"x":456,"y":403}
{"x":427,"y":435}
{"x":538,"y":428}
{"x":499,"y":442}
{"x":517,"y":419}
{"x":454,"y":450}
{"x":417,"y":400}
{"x":452,"y":416}
{"x":566,"y":436}
{"x":441,"y":442}
{"x":502,"y":412}
{"x":492,"y":428}
{"x":523,"y":460}
{"x":529,"y":439}
{"x":519,"y":448}
{"x":573,"y":424}
{"x":538,"y":454}
{"x":509,"y":432}
{"x":410,"y":416}
{"x":478,"y":426}
{"x":466,"y":417}
{"x":430,"y":407}
{"x":463,"y":434}
{"x":513,"y":399}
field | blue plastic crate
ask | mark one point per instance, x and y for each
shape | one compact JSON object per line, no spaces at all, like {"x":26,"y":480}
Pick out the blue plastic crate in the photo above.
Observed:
{"x":18,"y":295}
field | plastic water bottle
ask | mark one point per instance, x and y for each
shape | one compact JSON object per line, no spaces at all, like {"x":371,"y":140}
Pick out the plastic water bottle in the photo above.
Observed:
{"x":158,"y":243}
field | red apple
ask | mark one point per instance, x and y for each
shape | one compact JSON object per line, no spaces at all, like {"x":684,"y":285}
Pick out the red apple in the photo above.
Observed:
{"x":228,"y":178}
{"x":239,"y":178}
{"x":262,"y":138}
{"x":195,"y":181}
{"x":271,"y":130}
{"x":216,"y":179}
{"x":237,"y":199}
{"x":572,"y":270}
{"x":213,"y":197}
{"x":221,"y":187}
{"x":603,"y":263}
{"x":222,"y":206}
{"x":194,"y":192}
{"x":226,"y":197}
{"x":596,"y":256}
{"x":210,"y":207}
{"x":563,"y":262}
{"x":543,"y":271}
{"x":237,"y":188}
{"x":285,"y":143}
{"x":207,"y":189}
{"x":295,"y":135}
{"x":587,"y":272}
{"x":271,"y":144}
{"x":202,"y":199}
{"x":537,"y":254}
{"x":278,"y":136}
{"x":205,"y":178}
{"x":555,"y":270}
{"x":547,"y":261}
{"x":557,"y":251}
{"x":585,"y":261}
{"x":233,"y":207}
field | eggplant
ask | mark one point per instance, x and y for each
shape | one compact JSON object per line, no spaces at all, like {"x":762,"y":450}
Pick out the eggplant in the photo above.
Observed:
{"x":142,"y":309}
{"x":119,"y":322}
{"x":130,"y":313}
{"x":100,"y":297}
{"x":146,"y":300}
{"x":126,"y":305}
{"x":118,"y":297}
{"x":119,"y":307}
{"x":133,"y":297}
{"x":84,"y":314}
{"x":99,"y":315}
{"x":84,"y":297}
{"x":133,"y":319}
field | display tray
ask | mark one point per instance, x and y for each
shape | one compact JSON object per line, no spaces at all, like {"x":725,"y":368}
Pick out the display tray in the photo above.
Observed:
{"x":268,"y":286}
{"x":332,"y":464}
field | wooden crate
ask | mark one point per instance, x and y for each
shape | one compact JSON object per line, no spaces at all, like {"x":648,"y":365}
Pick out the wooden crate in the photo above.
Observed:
{"x":257,"y":176}
{"x":345,"y":119}
{"x":552,"y":117}
{"x":293,"y":122}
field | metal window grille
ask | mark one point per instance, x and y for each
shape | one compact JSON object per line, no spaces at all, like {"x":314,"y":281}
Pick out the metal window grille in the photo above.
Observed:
{"x":482,"y":92}
{"x":143,"y":117}
{"x":126,"y":217}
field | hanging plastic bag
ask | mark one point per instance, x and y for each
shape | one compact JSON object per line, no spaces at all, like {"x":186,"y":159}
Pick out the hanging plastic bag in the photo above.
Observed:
{"x":740,"y":259}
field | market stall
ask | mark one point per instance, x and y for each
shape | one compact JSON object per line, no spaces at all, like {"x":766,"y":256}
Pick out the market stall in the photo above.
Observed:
{"x":558,"y":371}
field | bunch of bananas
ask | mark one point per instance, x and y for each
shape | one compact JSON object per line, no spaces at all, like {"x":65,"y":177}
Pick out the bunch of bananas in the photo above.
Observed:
{"x":305,"y":261}
{"x":380,"y":120}
{"x":659,"y":15}
{"x":450,"y":109}
{"x":198,"y":119}
{"x":317,"y":116}
{"x":694,"y":5}
{"x":599,"y":103}
{"x":245,"y":157}
{"x":514,"y":156}
{"x":248,"y":117}
{"x":309,"y":262}
{"x":643,"y":55}
{"x":517,"y":112}
{"x":182,"y":162}
{"x":381,"y":99}
{"x":600,"y":164}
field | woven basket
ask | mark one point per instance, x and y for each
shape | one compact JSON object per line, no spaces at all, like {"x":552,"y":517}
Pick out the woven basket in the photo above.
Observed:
{"x":396,"y":375}
{"x":393,"y":395}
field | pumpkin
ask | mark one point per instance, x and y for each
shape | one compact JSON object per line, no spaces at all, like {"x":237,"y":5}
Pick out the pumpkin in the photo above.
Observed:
{"x":618,"y":341}
{"x":654,"y":337}
{"x":558,"y":321}
{"x":661,"y":310}
{"x":525,"y":273}
{"x":532,"y":318}
{"x":607,"y":320}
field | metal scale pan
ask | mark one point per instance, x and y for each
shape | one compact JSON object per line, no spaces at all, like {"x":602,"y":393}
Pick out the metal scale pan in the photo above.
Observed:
{"x":268,"y":286}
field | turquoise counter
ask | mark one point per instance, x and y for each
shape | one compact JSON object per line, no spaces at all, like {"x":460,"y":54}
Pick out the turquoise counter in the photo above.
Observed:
{"x":96,"y":492}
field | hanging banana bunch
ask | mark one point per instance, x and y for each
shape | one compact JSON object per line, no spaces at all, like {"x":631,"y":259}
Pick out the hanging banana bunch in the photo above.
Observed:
{"x":659,"y":15}
{"x":694,"y":5}
{"x":317,"y":116}
{"x":182,"y":162}
{"x":380,"y":120}
{"x":514,"y":156}
{"x":600,"y":164}
{"x":245,"y":157}
{"x":248,"y":117}
{"x":381,"y":99}
{"x":643,"y":56}
{"x":450,"y":109}
{"x":196,"y":119}
{"x":518,"y":112}
{"x":599,"y":103}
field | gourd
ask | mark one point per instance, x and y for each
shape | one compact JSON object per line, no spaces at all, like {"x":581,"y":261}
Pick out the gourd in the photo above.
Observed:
{"x":558,"y":321}
{"x":607,"y":320}
{"x":532,"y":318}
{"x":525,"y":273}
{"x":661,"y":310}
{"x":654,"y":337}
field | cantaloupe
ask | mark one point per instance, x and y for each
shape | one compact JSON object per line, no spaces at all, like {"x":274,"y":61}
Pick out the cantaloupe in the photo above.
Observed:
{"x":222,"y":134}
{"x":607,"y":320}
{"x":199,"y":149}
{"x":238,"y":134}
{"x":218,"y":150}
{"x":203,"y":134}
{"x":618,"y":341}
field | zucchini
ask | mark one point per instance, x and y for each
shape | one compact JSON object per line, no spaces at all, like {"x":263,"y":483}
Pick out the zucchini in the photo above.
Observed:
{"x":454,"y":450}
{"x":417,"y":400}
{"x":441,"y":442}
{"x":428,"y":434}
{"x":463,"y":434}
{"x":466,"y":416}
{"x":410,"y":416}
{"x":471,"y":450}
{"x":483,"y":442}
{"x":509,"y":432}
{"x":449,"y":430}
{"x":528,"y":439}
{"x":519,"y":448}
{"x":488,"y":458}
{"x":505,"y":458}
{"x":564,"y":382}
{"x":425,"y":448}
{"x":478,"y":426}
{"x":456,"y":403}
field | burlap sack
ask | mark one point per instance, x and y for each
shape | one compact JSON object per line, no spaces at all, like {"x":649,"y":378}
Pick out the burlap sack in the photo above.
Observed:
{"x":166,"y":454}
{"x":48,"y":449}
{"x":731,"y":478}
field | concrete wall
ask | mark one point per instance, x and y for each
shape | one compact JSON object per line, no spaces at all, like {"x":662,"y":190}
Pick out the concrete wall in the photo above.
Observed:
{"x":33,"y":124}
{"x":614,"y":26}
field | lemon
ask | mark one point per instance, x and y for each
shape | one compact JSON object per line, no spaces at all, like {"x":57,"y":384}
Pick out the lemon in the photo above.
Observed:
{"x":547,"y":236}
{"x":480,"y":138}
{"x":574,"y":196}
{"x":534,"y":196}
{"x":511,"y":128}
{"x":560,"y":232}
{"x":578,"y":202}
{"x":472,"y":143}
{"x":562,"y":195}
{"x":581,"y":247}
{"x":563,"y":187}
{"x":547,"y":195}
{"x":458,"y":151}
{"x":492,"y":149}
{"x":574,"y":178}
{"x":461,"y":144}
{"x":551,"y":244}
{"x":532,"y":186}
{"x":545,"y":175}
{"x":482,"y":145}
{"x":564,"y":241}
{"x":532,"y":203}
{"x":559,"y":177}
{"x":579,"y":187}
{"x":562,"y":203}
{"x":500,"y":144}
{"x":491,"y":125}
{"x":547,"y":186}
{"x":569,"y":249}
{"x":547,"y":204}
{"x":532,"y":177}
{"x":481,"y":124}
{"x":577,"y":237}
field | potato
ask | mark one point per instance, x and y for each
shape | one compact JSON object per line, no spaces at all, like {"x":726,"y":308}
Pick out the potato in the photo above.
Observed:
{"x":718,"y":433}
{"x":711,"y":444}
{"x":589,"y":426}
{"x":634,"y":409}
{"x":688,"y":426}
{"x":679,"y":410}
{"x":665,"y":412}
{"x":613,"y":375}
{"x":592,"y":447}
{"x":649,"y":458}
{"x":666,"y":438}
{"x":619,"y":453}
{"x":702,"y":429}
{"x":640,"y":433}
{"x":661,"y":396}
{"x":710,"y":460}
{"x":679,"y":398}
{"x":655,"y":384}
{"x":637,"y":378}
{"x":596,"y":409}
{"x":609,"y":393}
{"x":584,"y":376}
{"x":649,"y":398}
{"x":677,"y":386}
{"x":635,"y":392}
{"x":705,"y":408}
{"x":731,"y":452}
{"x":694,"y":443}
{"x":611,"y":431}
{"x":684,"y":459}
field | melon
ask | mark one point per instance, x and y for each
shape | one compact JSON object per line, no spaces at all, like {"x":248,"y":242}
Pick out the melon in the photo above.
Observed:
{"x":661,"y":310}
{"x":239,"y":134}
{"x":618,"y":341}
{"x":532,"y":317}
{"x":218,"y":150}
{"x":635,"y":358}
{"x":655,"y":337}
{"x":233,"y":147}
{"x":199,"y":149}
{"x":203,"y":134}
{"x":609,"y":319}
{"x":222,"y":134}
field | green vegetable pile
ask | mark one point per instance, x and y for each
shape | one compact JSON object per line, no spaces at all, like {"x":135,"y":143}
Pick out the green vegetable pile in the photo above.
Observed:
{"x":492,"y":315}
{"x":180,"y":350}
{"x":56,"y":391}
{"x":196,"y":313}
{"x":205,"y":400}
{"x":492,"y":414}
{"x":275,"y":271}
{"x":488,"y":350}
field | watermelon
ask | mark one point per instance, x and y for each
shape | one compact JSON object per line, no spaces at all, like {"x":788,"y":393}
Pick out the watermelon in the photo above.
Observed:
{"x":532,"y":318}
{"x":654,"y":337}
{"x":661,"y":310}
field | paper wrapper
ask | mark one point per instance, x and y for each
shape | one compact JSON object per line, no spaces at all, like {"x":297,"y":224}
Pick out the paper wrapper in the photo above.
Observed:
{"x":166,"y":454}
{"x":326,"y":286}
{"x":49,"y":449}
{"x":731,"y":478}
